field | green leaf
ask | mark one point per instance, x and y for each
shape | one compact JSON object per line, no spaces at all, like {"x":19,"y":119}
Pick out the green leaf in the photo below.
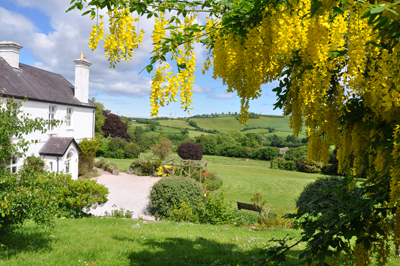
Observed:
{"x":334,"y":71}
{"x":393,"y":11}
{"x":377,"y":9}
{"x":315,"y":6}
{"x":149,"y":68}
{"x":349,"y":234}
{"x":338,"y":10}
{"x":86,"y":12}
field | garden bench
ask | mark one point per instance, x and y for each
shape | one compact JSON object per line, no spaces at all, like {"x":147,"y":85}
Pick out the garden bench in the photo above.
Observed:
{"x":248,"y":206}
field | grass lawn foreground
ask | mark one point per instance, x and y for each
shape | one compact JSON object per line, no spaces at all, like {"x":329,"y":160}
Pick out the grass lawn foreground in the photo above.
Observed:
{"x":97,"y":241}
{"x":110,"y":241}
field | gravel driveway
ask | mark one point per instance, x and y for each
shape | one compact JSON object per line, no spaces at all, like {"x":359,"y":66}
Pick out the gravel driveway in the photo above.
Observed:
{"x":130,"y":192}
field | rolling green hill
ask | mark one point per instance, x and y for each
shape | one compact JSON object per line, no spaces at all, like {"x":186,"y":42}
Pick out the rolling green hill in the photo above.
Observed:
{"x":224,"y":123}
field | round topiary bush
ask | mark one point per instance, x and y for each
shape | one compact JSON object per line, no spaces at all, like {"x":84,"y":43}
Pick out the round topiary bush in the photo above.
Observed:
{"x":190,"y":151}
{"x":171,"y":190}
{"x":314,"y":199}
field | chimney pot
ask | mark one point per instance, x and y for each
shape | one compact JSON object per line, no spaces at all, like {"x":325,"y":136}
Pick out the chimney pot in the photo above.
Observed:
{"x":81,"y":55}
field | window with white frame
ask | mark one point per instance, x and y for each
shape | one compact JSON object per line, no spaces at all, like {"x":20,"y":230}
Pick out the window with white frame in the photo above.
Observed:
{"x":69,"y":117}
{"x":52,"y":113}
{"x":13,"y":166}
{"x":67,"y":163}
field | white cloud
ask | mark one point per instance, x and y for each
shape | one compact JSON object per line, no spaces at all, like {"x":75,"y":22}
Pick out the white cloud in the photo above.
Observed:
{"x":202,"y":89}
{"x":223,"y":96}
{"x":56,"y":50}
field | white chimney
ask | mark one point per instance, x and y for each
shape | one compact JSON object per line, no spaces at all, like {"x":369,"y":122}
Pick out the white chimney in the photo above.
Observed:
{"x":82,"y":79}
{"x":10,"y":52}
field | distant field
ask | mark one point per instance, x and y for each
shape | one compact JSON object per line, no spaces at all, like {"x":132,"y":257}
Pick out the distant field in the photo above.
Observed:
{"x":283,"y":134}
{"x":223,"y":123}
{"x":226,"y":123}
{"x":197,"y":133}
{"x":175,"y":123}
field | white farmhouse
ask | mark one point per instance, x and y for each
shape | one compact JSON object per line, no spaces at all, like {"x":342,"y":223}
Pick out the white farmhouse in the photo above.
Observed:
{"x":50,"y":96}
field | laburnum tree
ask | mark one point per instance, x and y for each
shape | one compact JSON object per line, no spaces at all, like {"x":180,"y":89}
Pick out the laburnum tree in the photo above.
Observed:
{"x":337,"y":63}
{"x":114,"y":127}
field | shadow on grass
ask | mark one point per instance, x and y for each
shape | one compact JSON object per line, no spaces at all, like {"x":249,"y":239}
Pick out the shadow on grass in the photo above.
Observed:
{"x":199,"y":251}
{"x":26,"y":239}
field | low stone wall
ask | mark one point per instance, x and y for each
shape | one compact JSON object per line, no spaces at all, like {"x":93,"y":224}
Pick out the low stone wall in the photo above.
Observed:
{"x":112,"y":171}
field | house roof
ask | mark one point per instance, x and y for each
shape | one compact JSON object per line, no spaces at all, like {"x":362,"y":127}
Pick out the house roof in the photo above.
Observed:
{"x":56,"y":146}
{"x":37,"y":84}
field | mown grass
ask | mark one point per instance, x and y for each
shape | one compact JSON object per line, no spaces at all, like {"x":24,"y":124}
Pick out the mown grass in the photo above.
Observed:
{"x":278,"y":187}
{"x":222,"y":123}
{"x":96,"y":241}
{"x":242,"y":180}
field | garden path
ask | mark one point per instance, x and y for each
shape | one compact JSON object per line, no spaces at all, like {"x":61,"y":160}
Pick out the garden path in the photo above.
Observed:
{"x":130,"y":192}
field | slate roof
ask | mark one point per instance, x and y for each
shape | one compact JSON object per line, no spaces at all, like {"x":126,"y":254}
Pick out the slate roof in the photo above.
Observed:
{"x":57,"y":146}
{"x":37,"y":84}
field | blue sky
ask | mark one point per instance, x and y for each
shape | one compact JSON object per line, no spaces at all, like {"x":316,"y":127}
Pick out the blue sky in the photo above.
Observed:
{"x":52,"y":39}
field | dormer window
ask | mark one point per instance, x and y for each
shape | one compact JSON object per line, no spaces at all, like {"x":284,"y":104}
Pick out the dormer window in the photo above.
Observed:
{"x":52,"y":113}
{"x":68,"y":121}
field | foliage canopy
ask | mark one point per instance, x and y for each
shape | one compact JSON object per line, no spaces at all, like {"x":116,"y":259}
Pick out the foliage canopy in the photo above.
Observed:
{"x":338,"y":72}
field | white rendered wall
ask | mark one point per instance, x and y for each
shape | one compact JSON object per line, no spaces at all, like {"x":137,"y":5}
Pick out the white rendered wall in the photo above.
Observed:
{"x":82,"y":126}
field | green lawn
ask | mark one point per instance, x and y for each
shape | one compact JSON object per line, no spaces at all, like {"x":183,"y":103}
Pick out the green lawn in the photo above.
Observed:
{"x":96,"y":241}
{"x":280,"y":188}
{"x":110,"y":241}
{"x":242,"y":180}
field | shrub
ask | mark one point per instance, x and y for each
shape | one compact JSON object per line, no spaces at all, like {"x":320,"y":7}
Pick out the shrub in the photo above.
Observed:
{"x":170,"y":190}
{"x":114,"y":127}
{"x":330,"y":169}
{"x":144,"y":167}
{"x":290,"y":165}
{"x":119,"y":154}
{"x":34,"y":164}
{"x":162,"y":149}
{"x":212,"y":209}
{"x":75,"y":197}
{"x":103,"y":144}
{"x":268,"y":153}
{"x":237,"y":152}
{"x":190,"y":151}
{"x":131,"y":151}
{"x":117,"y":143}
{"x":207,"y":143}
{"x":314,"y":167}
{"x":210,"y":181}
{"x":296,"y":153}
{"x":100,"y":163}
{"x":193,"y":123}
{"x":109,"y":154}
{"x":321,"y":195}
{"x":25,"y":198}
{"x":86,"y":159}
